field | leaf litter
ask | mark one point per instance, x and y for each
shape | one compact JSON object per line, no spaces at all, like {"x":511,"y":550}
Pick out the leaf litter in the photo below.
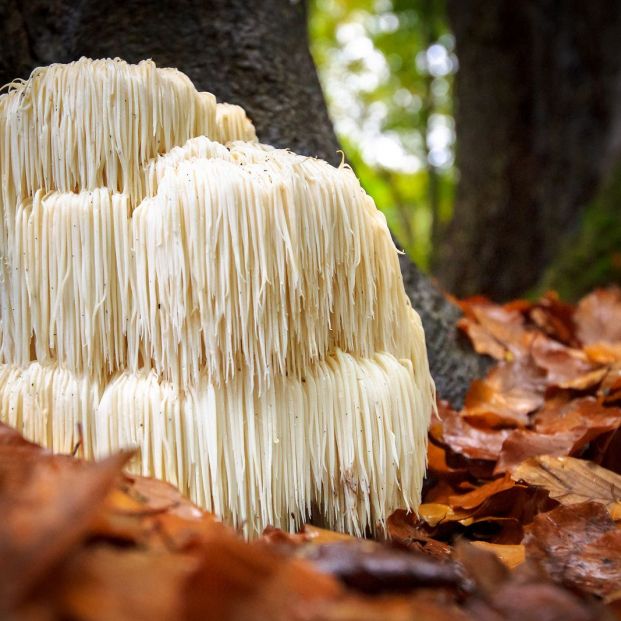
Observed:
{"x":521,"y":513}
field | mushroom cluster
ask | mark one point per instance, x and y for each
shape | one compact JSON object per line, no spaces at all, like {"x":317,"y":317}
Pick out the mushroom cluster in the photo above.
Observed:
{"x":234,"y":311}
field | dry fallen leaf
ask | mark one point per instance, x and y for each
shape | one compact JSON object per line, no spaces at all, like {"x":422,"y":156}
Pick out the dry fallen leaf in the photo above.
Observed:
{"x":370,"y":567}
{"x":580,"y":547}
{"x":598,"y":317}
{"x":524,"y":594}
{"x":482,"y":341}
{"x":604,"y":353}
{"x":507,"y":395}
{"x":406,"y":529}
{"x":572,"y":481}
{"x":320,"y":536}
{"x":510,"y":555}
{"x":564,"y":365}
{"x":506,"y":324}
{"x":555,"y":318}
{"x":476,"y":497}
{"x":523,"y":443}
{"x":471,"y":441}
{"x":434,"y":513}
{"x":585,"y":418}
{"x":610,"y":389}
{"x":47,"y":508}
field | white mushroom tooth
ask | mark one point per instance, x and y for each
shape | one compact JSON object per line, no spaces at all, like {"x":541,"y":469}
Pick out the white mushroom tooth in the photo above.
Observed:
{"x":50,"y":405}
{"x":233,"y":124}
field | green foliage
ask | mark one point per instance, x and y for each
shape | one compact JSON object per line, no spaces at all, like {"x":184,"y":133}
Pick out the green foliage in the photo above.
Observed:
{"x":386,"y":68}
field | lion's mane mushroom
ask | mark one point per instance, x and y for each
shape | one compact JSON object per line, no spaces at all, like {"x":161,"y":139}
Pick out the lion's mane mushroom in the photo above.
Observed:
{"x":235,"y":311}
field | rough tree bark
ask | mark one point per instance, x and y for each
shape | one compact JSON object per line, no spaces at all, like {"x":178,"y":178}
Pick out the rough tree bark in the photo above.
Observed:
{"x":251,"y":53}
{"x":538,"y":117}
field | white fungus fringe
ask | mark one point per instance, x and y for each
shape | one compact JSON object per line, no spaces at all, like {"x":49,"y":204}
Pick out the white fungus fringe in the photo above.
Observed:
{"x":50,"y":406}
{"x":233,"y":124}
{"x":345,"y":437}
{"x":235,"y":311}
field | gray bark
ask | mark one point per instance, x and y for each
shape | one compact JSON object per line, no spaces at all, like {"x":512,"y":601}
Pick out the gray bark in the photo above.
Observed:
{"x":254,"y":54}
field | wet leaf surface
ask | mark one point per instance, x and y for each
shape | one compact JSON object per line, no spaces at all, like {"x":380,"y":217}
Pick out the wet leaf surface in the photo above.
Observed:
{"x":580,"y":547}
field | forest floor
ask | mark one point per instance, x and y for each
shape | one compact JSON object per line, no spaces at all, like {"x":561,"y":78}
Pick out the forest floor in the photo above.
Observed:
{"x":521,"y":516}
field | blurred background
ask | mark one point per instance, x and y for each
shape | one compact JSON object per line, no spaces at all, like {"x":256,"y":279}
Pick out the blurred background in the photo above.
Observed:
{"x":387,"y":71}
{"x":487,"y":132}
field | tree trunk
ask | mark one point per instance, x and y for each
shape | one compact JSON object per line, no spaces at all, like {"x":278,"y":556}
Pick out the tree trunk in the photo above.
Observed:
{"x":538,"y":116}
{"x":254,"y":54}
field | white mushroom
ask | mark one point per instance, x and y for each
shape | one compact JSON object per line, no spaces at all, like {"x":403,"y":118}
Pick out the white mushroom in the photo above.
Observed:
{"x":235,"y":311}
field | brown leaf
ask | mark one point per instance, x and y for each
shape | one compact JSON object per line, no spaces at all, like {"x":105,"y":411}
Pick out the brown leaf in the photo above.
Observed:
{"x":161,"y":496}
{"x":580,"y":547}
{"x":47,"y":508}
{"x":370,"y":567}
{"x":320,"y":536}
{"x":586,"y":418}
{"x":610,"y":389}
{"x":476,"y":497}
{"x":428,"y":605}
{"x":238,"y":581}
{"x":501,"y":517}
{"x":474,"y":442}
{"x":222,"y":577}
{"x":102,"y":583}
{"x":586,"y":381}
{"x":150,"y":513}
{"x":555,"y":318}
{"x":571,"y":480}
{"x":507,"y":395}
{"x":309,"y":534}
{"x":509,"y":555}
{"x":524,"y":594}
{"x":437,"y":464}
{"x":598,"y":317}
{"x":498,"y":324}
{"x":603,"y":353}
{"x":522,"y":444}
{"x":482,"y":341}
{"x":563,"y":364}
{"x":434,"y":513}
{"x":404,"y":528}
{"x":10,"y":437}
{"x":485,"y":568}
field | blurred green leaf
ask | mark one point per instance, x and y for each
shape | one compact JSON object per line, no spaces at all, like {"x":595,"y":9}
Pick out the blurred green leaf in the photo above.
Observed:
{"x":386,"y":67}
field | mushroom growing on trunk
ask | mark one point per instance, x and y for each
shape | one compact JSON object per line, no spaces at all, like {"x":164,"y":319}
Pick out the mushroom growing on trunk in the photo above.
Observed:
{"x":234,"y":311}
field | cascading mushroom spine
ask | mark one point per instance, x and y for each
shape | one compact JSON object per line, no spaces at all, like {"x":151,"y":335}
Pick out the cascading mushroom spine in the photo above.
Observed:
{"x":234,"y":311}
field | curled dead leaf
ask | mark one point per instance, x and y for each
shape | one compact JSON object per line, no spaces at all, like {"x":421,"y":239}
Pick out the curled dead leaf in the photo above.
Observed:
{"x":523,"y":443}
{"x":496,"y":330}
{"x":405,"y":528}
{"x":598,"y":317}
{"x":585,"y":418}
{"x":580,"y":547}
{"x":471,"y":441}
{"x":510,"y":555}
{"x":555,"y":318}
{"x":509,"y":393}
{"x":47,"y":508}
{"x":476,"y":497}
{"x":563,"y":364}
{"x":571,"y":480}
